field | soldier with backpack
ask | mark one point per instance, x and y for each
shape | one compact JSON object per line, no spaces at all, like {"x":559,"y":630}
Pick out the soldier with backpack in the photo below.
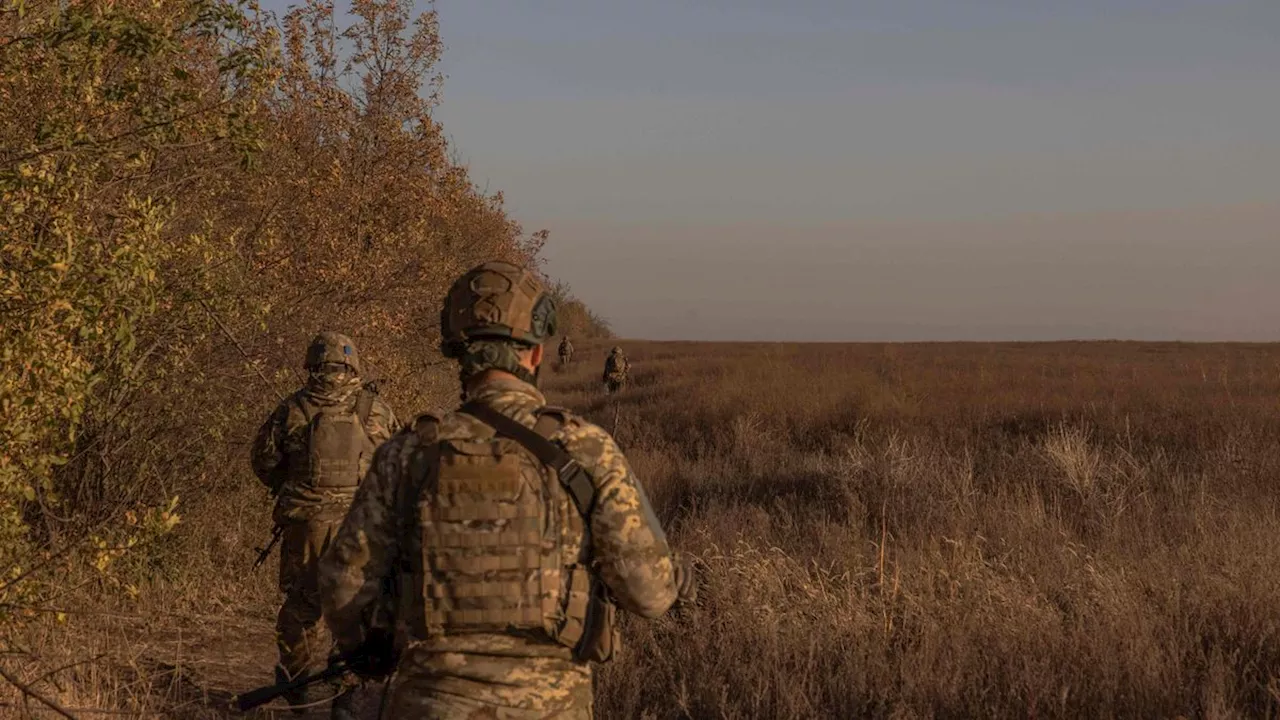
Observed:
{"x":616,"y":370}
{"x":503,"y":536}
{"x":312,"y":452}
{"x":566,"y":351}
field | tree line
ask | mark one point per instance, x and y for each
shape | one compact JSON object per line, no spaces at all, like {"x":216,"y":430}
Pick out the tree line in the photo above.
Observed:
{"x":189,"y":190}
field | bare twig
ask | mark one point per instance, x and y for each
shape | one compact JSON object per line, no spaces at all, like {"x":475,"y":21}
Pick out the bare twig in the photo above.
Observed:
{"x":53,"y":557}
{"x":240,"y":348}
{"x":91,"y":711}
{"x":49,"y":675}
{"x":27,"y":691}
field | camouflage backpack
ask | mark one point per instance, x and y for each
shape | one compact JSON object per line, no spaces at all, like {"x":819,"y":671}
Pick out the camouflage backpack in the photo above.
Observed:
{"x":616,"y":366}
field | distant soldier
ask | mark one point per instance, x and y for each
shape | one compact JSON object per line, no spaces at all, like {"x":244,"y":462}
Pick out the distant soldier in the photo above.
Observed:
{"x":502,"y":534}
{"x":616,"y":370}
{"x":566,"y":351}
{"x":313,"y":451}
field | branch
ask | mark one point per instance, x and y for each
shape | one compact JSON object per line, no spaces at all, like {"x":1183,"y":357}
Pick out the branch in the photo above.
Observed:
{"x":49,"y":675}
{"x":53,"y":557}
{"x":218,"y":321}
{"x":26,"y":690}
{"x":116,"y":138}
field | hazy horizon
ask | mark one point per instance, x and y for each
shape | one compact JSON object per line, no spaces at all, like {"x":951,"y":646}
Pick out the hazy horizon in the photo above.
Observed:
{"x":908,"y":170}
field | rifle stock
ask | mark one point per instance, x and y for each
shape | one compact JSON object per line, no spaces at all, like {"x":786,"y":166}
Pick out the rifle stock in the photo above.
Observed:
{"x":261,"y":696}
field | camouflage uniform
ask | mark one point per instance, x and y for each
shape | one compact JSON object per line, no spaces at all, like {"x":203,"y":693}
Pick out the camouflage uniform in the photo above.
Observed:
{"x":445,"y":669}
{"x":310,"y":515}
{"x":566,"y":351}
{"x":616,"y":370}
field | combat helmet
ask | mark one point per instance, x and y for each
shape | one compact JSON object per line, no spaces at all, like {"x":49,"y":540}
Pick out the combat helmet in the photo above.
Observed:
{"x":616,"y":350}
{"x":332,"y":347}
{"x":495,"y":301}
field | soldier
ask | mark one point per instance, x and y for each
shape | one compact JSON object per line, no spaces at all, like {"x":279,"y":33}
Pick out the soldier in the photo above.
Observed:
{"x":312,"y":452}
{"x":616,"y":368}
{"x":566,"y":351}
{"x":505,"y":532}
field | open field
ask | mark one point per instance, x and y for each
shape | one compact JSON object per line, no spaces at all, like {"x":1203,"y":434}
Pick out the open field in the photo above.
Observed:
{"x":932,"y":530}
{"x":957,"y":530}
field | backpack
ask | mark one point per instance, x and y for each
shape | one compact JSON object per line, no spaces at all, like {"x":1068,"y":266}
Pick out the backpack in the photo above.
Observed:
{"x":615,"y":367}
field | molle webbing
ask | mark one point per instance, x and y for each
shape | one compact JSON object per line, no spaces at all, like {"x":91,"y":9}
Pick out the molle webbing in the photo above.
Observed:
{"x":572,"y":476}
{"x":337,"y":444}
{"x":493,"y":556}
{"x":488,"y":559}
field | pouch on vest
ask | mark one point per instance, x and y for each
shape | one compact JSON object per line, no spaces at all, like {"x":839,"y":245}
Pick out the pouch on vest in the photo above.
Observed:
{"x":590,"y":624}
{"x":491,"y":558}
{"x":586,"y":620}
{"x":338,"y":449}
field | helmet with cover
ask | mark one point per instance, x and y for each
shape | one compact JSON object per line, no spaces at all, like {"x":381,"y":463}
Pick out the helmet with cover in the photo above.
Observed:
{"x":492,"y":312}
{"x":330,"y":347}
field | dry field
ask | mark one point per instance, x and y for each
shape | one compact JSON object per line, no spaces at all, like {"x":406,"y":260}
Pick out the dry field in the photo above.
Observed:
{"x":932,"y":530}
{"x":956,"y":530}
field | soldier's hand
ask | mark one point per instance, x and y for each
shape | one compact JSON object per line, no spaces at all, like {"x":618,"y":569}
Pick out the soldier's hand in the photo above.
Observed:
{"x":375,"y":658}
{"x":686,"y":584}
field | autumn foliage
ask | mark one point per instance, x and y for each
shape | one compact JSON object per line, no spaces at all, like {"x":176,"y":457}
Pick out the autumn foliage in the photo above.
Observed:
{"x":188,"y":191}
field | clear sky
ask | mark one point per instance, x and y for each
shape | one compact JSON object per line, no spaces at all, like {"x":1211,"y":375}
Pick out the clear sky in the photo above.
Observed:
{"x":905,"y":169}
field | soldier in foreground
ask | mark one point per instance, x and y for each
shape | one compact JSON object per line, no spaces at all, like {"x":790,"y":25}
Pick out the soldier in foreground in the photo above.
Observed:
{"x":312,"y":452}
{"x":566,"y":351}
{"x":616,"y":369}
{"x":505,"y":532}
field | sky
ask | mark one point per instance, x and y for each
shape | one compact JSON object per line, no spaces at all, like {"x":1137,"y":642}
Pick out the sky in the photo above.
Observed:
{"x":901,"y":170}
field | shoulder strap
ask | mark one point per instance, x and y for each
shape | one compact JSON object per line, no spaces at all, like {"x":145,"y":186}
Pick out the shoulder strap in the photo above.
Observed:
{"x":572,"y":476}
{"x":364,"y":405}
{"x":302,"y":407}
{"x":420,"y":465}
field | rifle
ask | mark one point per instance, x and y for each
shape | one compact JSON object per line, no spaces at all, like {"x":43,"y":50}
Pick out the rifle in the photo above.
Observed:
{"x":277,"y":531}
{"x":263,"y":553}
{"x":338,"y":666}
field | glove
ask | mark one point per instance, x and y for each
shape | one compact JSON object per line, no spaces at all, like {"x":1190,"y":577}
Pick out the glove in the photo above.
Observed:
{"x":375,"y":659}
{"x":686,"y":584}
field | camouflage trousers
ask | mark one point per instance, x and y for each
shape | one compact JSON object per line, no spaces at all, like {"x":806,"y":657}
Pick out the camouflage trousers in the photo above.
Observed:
{"x":407,"y":701}
{"x":301,"y":636}
{"x":489,"y":682}
{"x":614,"y":383}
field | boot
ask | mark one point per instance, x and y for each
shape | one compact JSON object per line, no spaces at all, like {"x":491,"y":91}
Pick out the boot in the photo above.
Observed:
{"x":344,"y":705}
{"x":296,"y":698}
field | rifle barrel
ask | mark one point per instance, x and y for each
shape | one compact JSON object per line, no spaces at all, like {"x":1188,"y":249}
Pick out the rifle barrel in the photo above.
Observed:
{"x":254,"y":698}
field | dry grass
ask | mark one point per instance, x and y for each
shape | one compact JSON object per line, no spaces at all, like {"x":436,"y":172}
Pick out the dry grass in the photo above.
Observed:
{"x":953,"y":530}
{"x":947,"y":530}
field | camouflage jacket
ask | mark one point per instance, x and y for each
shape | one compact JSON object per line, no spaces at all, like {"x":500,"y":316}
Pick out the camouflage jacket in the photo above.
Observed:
{"x":616,"y":366}
{"x":283,"y":436}
{"x":628,"y":550}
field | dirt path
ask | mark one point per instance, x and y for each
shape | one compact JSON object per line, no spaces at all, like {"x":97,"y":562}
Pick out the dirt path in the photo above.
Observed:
{"x":200,"y":670}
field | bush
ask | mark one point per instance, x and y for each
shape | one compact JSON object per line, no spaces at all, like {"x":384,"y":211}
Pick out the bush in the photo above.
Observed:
{"x":188,"y":191}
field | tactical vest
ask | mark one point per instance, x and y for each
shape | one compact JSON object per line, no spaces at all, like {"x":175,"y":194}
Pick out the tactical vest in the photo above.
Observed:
{"x":338,"y":449}
{"x":495,"y":518}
